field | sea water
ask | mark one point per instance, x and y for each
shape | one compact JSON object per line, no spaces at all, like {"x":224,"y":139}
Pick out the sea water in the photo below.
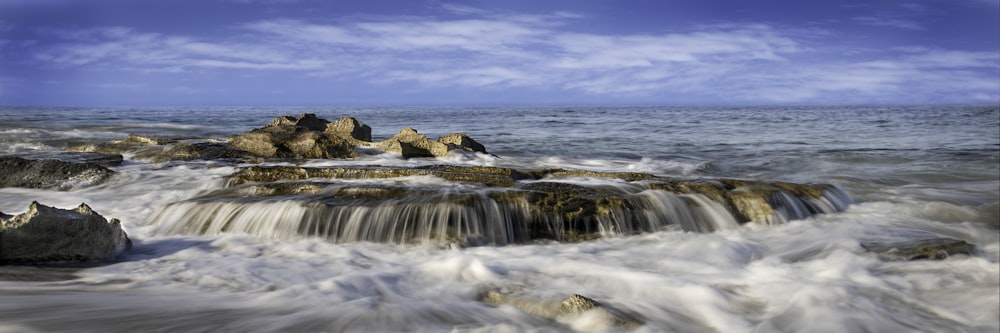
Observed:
{"x":912,"y":171}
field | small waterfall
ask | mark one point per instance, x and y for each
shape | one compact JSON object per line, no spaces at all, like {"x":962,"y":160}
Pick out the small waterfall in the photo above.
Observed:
{"x":470,"y":219}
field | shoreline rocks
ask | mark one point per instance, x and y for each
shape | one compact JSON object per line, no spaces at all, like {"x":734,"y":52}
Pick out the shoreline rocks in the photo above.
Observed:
{"x":286,"y":137}
{"x":44,"y":234}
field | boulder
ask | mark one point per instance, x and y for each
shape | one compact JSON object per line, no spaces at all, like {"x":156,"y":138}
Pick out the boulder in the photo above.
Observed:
{"x":463,"y":142}
{"x":50,"y":174}
{"x":45,"y":233}
{"x":350,"y":129}
{"x":409,"y":143}
{"x":288,"y":137}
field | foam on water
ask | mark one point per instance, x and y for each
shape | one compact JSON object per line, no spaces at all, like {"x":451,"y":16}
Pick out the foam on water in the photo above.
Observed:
{"x":809,"y":274}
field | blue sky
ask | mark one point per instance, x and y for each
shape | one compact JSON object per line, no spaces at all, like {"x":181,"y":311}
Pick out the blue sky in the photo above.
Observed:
{"x":377,"y":52}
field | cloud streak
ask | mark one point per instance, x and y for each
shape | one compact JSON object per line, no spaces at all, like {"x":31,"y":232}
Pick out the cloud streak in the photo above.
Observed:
{"x":731,"y":63}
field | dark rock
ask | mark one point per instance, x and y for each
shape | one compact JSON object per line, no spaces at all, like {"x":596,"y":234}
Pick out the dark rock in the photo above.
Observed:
{"x":49,"y":174}
{"x":50,"y":234}
{"x":929,"y":249}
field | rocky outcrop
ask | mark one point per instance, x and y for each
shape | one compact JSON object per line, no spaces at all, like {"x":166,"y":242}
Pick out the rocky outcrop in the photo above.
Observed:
{"x":288,"y":137}
{"x":45,"y":233}
{"x":494,"y":205}
{"x":918,"y":249}
{"x":409,"y":143}
{"x":601,"y":317}
{"x":50,"y":174}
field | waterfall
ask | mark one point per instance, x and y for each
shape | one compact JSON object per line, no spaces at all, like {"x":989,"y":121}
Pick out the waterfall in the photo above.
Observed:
{"x":496,"y":217}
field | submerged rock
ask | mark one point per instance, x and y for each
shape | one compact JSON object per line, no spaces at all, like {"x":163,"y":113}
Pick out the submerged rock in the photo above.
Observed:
{"x":45,"y":233}
{"x":130,"y":144}
{"x":50,"y":174}
{"x":927,"y":249}
{"x":571,"y":310}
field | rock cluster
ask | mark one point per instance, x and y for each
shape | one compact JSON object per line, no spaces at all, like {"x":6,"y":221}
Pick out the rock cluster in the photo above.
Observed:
{"x":286,"y":137}
{"x":45,"y":233}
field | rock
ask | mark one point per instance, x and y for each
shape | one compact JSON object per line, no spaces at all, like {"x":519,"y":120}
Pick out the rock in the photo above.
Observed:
{"x":198,"y":151}
{"x":929,"y":249}
{"x":463,"y":142}
{"x":131,"y":143}
{"x":601,"y":317}
{"x":50,"y":174}
{"x":51,"y":234}
{"x":409,"y":143}
{"x":488,"y":176}
{"x":287,"y":137}
{"x":494,"y":205}
{"x":350,"y":129}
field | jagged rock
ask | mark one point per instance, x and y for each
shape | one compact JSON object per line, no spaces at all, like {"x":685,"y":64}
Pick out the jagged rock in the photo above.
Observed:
{"x":45,"y":233}
{"x":409,"y":143}
{"x":350,"y":128}
{"x":603,"y":317}
{"x":288,"y":137}
{"x":49,"y":174}
{"x":462,"y":141}
{"x":930,"y":249}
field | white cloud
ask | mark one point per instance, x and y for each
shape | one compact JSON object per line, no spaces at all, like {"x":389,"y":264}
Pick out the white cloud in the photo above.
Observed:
{"x":488,"y":50}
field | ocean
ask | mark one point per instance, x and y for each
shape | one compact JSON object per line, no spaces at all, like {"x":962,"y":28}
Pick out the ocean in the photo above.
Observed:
{"x":910,"y":171}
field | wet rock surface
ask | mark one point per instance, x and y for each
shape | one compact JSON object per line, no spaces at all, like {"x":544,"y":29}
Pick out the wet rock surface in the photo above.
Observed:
{"x":50,"y":174}
{"x":919,"y":249}
{"x":44,"y":234}
{"x":570,"y":310}
{"x":489,"y":205}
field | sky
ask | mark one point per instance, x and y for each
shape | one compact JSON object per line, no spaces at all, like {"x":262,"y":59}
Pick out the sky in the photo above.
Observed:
{"x":498,"y":52}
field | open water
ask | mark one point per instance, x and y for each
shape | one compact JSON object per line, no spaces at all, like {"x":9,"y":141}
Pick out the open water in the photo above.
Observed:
{"x":912,"y":171}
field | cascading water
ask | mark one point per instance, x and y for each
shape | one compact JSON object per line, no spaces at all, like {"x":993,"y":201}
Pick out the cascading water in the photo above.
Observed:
{"x":405,"y":215}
